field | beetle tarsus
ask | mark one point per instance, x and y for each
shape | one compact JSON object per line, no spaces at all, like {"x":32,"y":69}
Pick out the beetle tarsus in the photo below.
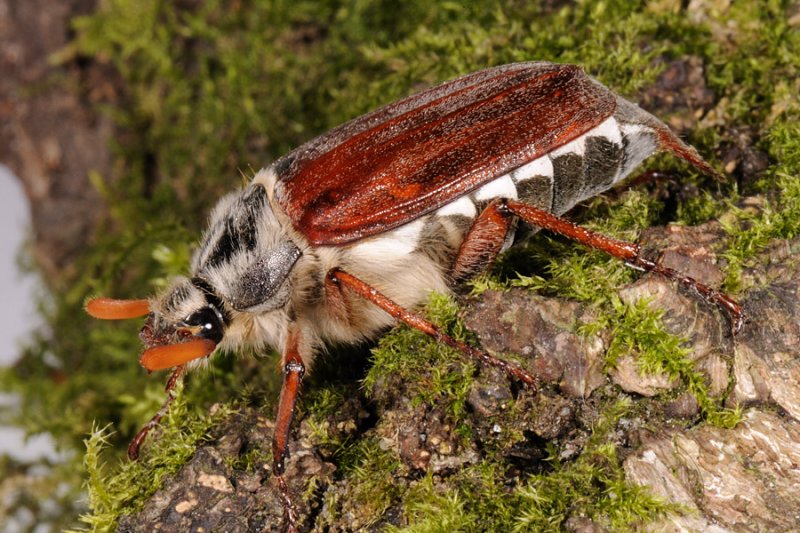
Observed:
{"x":289,"y":511}
{"x":730,"y":306}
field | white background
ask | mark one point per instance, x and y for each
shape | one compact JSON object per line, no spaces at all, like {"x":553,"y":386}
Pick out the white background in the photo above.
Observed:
{"x":17,"y":306}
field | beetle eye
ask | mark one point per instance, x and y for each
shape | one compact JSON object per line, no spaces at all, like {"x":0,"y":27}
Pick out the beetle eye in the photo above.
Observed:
{"x":210,"y":323}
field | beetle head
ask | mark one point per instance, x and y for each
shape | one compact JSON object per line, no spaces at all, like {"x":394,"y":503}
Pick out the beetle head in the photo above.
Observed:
{"x":184,"y":323}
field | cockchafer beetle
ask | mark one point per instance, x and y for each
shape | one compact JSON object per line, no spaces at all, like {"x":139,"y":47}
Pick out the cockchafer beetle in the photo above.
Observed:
{"x":341,"y":237}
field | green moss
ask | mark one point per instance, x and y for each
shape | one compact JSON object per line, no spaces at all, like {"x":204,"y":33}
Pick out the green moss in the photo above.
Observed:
{"x":430,"y":372}
{"x":127,"y":486}
{"x":318,"y":405}
{"x":209,"y":92}
{"x":637,"y":329}
{"x":750,"y":233}
{"x":575,"y":491}
{"x":704,"y":207}
{"x":762,"y":94}
{"x":431,"y":508}
{"x":372,"y":472}
{"x":593,"y":486}
{"x":322,"y":402}
{"x":250,"y":461}
{"x":478,"y":499}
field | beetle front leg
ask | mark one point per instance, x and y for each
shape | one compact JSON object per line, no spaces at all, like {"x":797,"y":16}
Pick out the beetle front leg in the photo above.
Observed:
{"x":370,"y":293}
{"x":628,"y":252}
{"x":169,"y":388}
{"x":293,"y":370}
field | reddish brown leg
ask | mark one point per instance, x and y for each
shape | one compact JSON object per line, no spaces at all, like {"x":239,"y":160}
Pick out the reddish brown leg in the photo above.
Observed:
{"x":293,"y":370}
{"x":482,"y":243}
{"x":626,"y":251}
{"x":169,"y":388}
{"x":335,"y":301}
{"x":415,"y":321}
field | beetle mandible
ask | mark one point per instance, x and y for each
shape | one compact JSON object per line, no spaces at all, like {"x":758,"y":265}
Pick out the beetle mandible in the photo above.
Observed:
{"x":348,"y":233}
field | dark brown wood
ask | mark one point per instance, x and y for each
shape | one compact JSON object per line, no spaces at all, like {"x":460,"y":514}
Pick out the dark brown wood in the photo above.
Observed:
{"x":628,"y":252}
{"x":372,"y":294}
{"x":483,"y":242}
{"x":416,"y":155}
{"x":169,"y":388}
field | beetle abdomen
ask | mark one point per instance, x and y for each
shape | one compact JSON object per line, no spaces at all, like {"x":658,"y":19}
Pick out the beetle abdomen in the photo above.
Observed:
{"x":585,"y":167}
{"x":556,"y":182}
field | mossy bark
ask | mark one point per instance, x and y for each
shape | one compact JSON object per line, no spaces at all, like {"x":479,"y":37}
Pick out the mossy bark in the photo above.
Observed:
{"x":194,"y":94}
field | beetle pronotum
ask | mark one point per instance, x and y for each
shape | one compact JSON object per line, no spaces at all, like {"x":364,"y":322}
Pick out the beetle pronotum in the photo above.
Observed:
{"x":346,"y":234}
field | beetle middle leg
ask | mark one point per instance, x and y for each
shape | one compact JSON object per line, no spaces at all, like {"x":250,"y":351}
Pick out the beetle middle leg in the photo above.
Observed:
{"x":366,"y":291}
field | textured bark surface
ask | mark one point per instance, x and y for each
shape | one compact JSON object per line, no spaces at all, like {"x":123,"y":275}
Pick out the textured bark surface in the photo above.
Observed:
{"x":211,"y":494}
{"x":51,"y":135}
{"x":744,"y":478}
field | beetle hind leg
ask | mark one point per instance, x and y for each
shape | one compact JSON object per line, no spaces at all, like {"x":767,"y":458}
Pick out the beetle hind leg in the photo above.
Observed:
{"x":482,"y":243}
{"x":628,"y":252}
{"x":485,"y":238}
